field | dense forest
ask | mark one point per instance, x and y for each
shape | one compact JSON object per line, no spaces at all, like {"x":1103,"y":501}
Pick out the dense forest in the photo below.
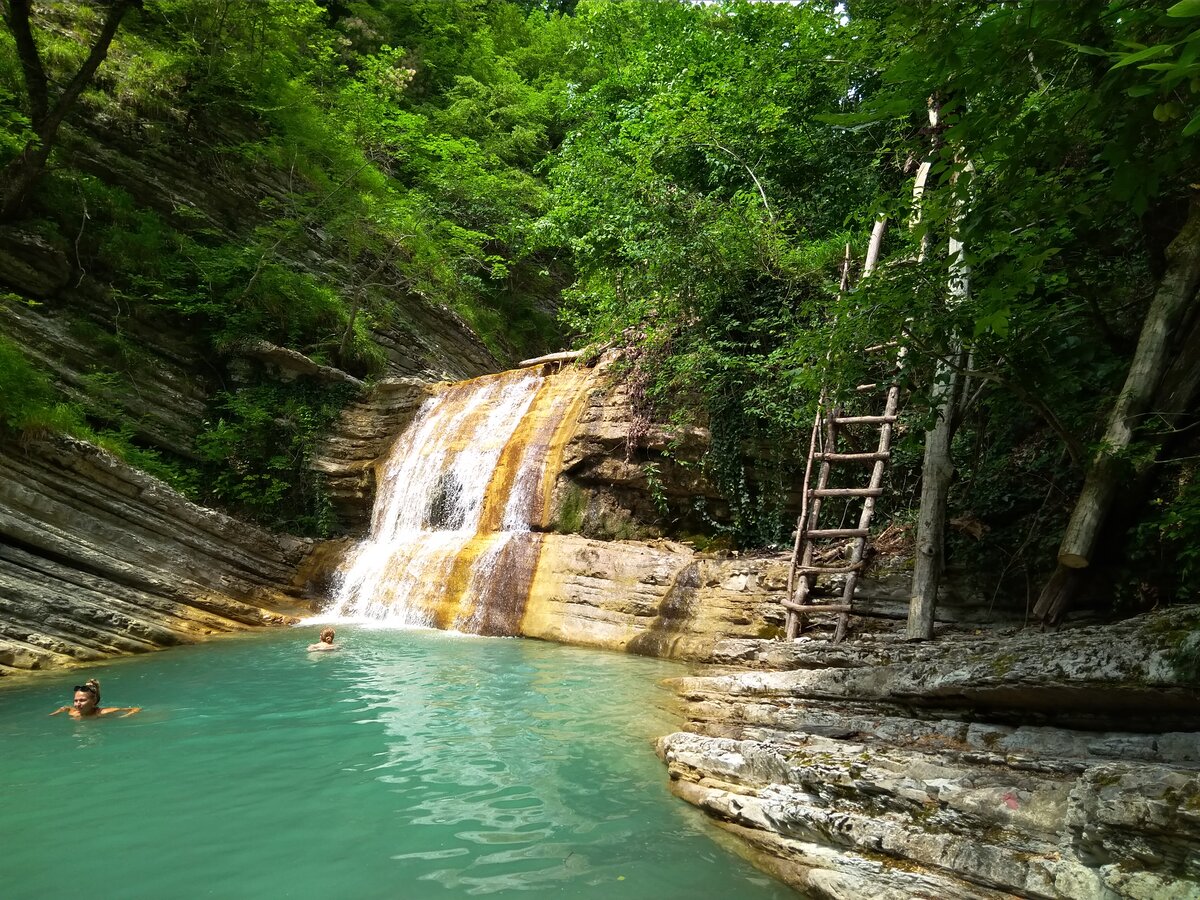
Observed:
{"x":678,"y":180}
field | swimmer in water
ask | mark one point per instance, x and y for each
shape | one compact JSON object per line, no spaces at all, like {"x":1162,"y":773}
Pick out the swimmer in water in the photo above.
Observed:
{"x":87,"y":704}
{"x":326,"y":642}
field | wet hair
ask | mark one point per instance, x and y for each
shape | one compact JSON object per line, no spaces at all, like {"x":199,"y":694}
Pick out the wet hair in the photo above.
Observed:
{"x":91,"y":686}
{"x":327,"y":631}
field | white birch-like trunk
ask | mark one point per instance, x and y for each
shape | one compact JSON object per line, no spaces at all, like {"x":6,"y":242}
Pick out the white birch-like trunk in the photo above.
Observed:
{"x":937,"y":469}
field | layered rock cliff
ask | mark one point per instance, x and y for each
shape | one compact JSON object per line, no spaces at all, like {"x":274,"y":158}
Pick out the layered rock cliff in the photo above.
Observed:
{"x":132,"y":360}
{"x":98,"y":559}
{"x":1056,"y":765}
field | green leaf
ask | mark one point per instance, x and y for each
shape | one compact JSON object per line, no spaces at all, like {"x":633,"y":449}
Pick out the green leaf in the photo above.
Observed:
{"x":1193,"y":126}
{"x":1139,"y":56}
{"x":1184,"y":9}
{"x":1084,"y":48}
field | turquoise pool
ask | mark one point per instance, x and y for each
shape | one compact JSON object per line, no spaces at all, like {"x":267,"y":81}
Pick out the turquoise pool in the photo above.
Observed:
{"x":411,"y":764}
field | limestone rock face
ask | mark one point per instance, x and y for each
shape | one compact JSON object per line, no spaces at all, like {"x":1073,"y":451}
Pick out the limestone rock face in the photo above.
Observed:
{"x":655,"y":598}
{"x":623,"y":476}
{"x":98,"y":559}
{"x":73,"y":330}
{"x":621,"y":487}
{"x":347,"y":456}
{"x":1061,"y":765}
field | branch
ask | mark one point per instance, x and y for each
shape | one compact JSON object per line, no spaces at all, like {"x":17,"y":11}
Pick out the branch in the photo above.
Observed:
{"x":16,"y":14}
{"x":99,"y":50}
{"x":302,"y":223}
{"x":1074,"y":446}
{"x":758,"y":184}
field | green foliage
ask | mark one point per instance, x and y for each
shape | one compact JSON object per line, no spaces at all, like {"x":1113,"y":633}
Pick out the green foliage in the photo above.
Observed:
{"x":419,"y":159}
{"x":257,"y":453}
{"x":1168,"y":538}
{"x":28,"y":401}
{"x":1171,"y":63}
{"x":703,"y":205}
{"x":720,"y":156}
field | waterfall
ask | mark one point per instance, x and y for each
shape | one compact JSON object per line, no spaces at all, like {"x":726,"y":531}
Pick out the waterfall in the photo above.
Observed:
{"x":453,"y":541}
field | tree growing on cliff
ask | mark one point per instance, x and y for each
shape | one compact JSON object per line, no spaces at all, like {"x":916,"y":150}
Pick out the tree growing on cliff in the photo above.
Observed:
{"x":1163,"y":379}
{"x":46,"y":113}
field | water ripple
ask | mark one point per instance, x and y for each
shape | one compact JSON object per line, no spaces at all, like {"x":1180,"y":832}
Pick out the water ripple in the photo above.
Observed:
{"x":457,"y":767}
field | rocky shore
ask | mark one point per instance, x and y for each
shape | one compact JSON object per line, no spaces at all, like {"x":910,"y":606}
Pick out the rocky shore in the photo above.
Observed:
{"x":1056,"y":765}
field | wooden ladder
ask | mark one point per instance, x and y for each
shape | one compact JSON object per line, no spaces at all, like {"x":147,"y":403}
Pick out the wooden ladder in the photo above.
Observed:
{"x":830,"y":427}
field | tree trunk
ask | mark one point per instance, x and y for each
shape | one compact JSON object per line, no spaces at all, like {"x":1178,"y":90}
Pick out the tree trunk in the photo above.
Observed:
{"x":1142,"y":392}
{"x":23,"y":172}
{"x":19,"y":177}
{"x":937,"y":471}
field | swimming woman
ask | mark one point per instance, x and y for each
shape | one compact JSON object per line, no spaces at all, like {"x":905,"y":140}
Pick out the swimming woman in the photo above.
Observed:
{"x":87,"y":703}
{"x":326,"y":642}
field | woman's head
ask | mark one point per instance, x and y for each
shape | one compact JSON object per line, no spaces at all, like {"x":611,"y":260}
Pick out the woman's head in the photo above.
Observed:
{"x":87,"y":697}
{"x":327,"y":636}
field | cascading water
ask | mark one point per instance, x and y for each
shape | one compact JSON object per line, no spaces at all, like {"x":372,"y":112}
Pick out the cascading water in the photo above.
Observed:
{"x":452,"y":543}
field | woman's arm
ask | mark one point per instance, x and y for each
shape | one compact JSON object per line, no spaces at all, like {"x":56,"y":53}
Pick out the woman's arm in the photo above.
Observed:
{"x":61,"y":709}
{"x":126,"y":710}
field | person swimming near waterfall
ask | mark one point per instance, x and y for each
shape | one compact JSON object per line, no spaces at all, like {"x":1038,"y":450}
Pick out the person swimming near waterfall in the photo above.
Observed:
{"x":87,"y":704}
{"x":325,"y":643}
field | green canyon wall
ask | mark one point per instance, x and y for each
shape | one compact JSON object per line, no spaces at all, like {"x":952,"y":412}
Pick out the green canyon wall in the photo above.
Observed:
{"x":103,"y":336}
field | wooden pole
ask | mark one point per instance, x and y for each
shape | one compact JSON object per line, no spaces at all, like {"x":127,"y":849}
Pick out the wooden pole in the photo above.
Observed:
{"x":564,"y":356}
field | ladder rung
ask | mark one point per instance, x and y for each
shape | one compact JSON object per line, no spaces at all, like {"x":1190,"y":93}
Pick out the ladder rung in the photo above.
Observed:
{"x":837,"y":532}
{"x":816,"y":607}
{"x":864,"y":420}
{"x":882,"y":346}
{"x":828,"y":570}
{"x":847,"y":492}
{"x":852,"y":457}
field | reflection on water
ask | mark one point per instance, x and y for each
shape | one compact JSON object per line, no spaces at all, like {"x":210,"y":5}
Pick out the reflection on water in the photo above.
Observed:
{"x":412,"y":763}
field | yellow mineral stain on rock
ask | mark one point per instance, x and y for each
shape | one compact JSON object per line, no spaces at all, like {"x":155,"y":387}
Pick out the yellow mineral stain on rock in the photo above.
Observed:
{"x":455,"y":602}
{"x":519,"y":491}
{"x":574,"y":386}
{"x":572,"y":589}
